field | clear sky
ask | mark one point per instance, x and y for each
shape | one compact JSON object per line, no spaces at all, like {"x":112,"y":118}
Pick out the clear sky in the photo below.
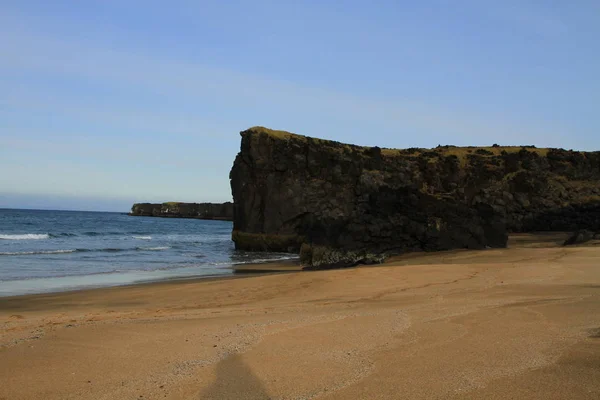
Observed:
{"x":105,"y":103}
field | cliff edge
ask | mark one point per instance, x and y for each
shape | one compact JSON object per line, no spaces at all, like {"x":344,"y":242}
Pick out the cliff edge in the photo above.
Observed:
{"x":339,"y":204}
{"x":222,"y":211}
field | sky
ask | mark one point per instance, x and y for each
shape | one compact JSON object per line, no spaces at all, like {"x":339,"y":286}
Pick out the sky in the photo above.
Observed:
{"x":106,"y":103}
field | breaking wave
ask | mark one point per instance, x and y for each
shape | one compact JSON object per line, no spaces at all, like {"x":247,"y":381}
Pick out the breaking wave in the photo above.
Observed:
{"x":26,"y":236}
{"x":36,"y":252}
{"x":28,"y":253}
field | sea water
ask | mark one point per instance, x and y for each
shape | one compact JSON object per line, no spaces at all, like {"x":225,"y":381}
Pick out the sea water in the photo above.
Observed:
{"x":47,"y":251}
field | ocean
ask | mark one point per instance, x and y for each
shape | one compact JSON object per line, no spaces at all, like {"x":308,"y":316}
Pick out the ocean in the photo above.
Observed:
{"x":49,"y":251}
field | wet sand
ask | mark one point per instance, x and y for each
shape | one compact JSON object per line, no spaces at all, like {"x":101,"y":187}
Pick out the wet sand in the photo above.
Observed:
{"x":517,"y":323}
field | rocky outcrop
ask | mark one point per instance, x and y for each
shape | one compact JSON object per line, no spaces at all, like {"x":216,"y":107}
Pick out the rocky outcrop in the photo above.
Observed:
{"x":580,"y":237}
{"x":339,"y":204}
{"x":222,"y":211}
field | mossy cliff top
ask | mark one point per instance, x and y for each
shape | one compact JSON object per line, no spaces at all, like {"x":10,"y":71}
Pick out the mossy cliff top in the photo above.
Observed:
{"x":447,"y":150}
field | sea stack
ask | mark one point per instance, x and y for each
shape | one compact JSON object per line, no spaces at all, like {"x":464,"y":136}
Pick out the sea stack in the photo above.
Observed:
{"x":339,"y":204}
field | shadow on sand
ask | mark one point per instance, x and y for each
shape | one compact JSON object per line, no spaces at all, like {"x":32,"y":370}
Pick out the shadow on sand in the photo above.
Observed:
{"x":235,"y":380}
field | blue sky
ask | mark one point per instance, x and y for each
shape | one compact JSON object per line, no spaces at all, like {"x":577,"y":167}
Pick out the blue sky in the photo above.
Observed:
{"x":105,"y":103}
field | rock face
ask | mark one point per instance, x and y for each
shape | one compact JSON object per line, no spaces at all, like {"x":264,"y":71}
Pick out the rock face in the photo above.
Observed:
{"x":339,"y":204}
{"x":222,"y":211}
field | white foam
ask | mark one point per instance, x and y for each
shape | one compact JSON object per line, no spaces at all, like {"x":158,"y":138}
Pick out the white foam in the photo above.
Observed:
{"x":28,"y":253}
{"x":27,"y":236}
{"x":159,"y":248}
{"x":142,"y":237}
{"x":257,"y":261}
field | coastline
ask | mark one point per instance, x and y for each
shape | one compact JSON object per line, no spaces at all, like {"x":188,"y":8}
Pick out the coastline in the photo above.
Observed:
{"x":540,"y":239}
{"x":32,"y":287}
{"x":521,"y":240}
{"x":515,"y":323}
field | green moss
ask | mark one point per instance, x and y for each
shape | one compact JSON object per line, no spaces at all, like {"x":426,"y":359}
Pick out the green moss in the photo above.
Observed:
{"x":275,"y":133}
{"x":495,"y":151}
{"x":266,"y":242}
{"x":284,"y":135}
{"x":391,"y":152}
{"x":460,"y":152}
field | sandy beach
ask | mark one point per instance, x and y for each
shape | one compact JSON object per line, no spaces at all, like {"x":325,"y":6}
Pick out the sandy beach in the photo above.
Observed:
{"x":516,"y":323}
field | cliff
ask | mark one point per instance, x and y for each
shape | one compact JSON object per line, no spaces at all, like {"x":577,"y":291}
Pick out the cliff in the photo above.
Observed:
{"x":184,"y":210}
{"x":339,"y":204}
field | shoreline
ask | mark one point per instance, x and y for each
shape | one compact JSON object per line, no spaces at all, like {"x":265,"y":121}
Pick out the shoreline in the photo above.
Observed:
{"x":517,"y":323}
{"x":517,"y":240}
{"x":237,"y":271}
{"x":165,"y":281}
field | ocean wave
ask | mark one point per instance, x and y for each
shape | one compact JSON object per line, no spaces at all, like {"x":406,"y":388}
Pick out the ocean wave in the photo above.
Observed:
{"x":94,"y":233}
{"x":57,"y":235}
{"x":110,"y":250}
{"x":25,"y":236}
{"x":36,"y":252}
{"x":157,"y":248}
{"x":265,"y":260}
{"x":141,"y":273}
{"x":136,"y":235}
{"x":104,"y":250}
{"x":106,"y":233}
{"x":59,"y":276}
{"x":257,"y":260}
{"x":29,"y":253}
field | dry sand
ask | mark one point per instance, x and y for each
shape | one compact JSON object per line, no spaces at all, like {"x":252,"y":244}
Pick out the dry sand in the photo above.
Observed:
{"x":518,"y":323}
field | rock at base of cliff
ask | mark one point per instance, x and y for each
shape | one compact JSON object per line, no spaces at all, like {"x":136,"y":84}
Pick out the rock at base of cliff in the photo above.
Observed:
{"x":314,"y":257}
{"x":266,"y":242}
{"x":580,"y":237}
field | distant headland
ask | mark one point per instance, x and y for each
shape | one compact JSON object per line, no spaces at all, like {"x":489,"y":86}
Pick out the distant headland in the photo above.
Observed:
{"x":218,"y":211}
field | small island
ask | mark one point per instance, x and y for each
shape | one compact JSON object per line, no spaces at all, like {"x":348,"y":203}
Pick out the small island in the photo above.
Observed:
{"x":216,"y":211}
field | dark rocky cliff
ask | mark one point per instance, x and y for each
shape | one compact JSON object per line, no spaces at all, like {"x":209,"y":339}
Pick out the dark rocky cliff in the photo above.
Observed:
{"x":340,"y":204}
{"x":222,"y":211}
